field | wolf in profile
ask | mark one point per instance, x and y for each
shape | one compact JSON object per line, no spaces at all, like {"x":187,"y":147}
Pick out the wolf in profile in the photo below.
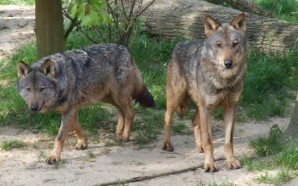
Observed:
{"x":210,"y":73}
{"x":67,"y":81}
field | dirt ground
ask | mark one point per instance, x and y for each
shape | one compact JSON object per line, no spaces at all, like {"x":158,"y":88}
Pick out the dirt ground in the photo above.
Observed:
{"x":100,"y":164}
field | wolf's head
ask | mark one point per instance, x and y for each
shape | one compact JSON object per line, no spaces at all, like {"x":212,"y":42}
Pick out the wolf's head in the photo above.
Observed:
{"x":226,"y":44}
{"x":37,"y":85}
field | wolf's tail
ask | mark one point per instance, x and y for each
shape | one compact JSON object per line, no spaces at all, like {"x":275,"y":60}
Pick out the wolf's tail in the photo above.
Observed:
{"x":144,"y":97}
{"x":141,"y":93}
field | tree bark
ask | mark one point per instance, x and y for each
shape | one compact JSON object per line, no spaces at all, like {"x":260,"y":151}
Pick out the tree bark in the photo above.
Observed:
{"x":49,"y":27}
{"x":184,"y":18}
{"x":292,"y":129}
{"x":244,"y":5}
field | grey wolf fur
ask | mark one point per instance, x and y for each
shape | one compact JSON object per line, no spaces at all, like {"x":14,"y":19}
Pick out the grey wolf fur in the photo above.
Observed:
{"x":210,"y":73}
{"x":67,"y":81}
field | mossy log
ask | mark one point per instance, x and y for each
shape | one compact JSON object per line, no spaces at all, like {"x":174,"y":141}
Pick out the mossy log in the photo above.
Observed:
{"x":184,"y":18}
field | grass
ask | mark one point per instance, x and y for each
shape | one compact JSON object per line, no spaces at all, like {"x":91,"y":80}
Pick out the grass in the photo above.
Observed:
{"x":270,"y":145}
{"x":12,"y":144}
{"x":266,"y":85}
{"x":277,"y":158}
{"x":285,"y":10}
{"x":279,"y":177}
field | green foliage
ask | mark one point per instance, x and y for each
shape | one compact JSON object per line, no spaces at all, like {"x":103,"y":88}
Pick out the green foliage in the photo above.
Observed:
{"x":285,"y":10}
{"x":288,"y":158}
{"x":12,"y":144}
{"x":266,"y":85}
{"x":89,"y":12}
{"x":265,"y":146}
{"x":179,"y":127}
{"x":17,"y":2}
{"x":151,"y":56}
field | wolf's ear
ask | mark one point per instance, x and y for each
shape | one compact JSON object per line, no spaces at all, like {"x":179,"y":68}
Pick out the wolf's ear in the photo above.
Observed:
{"x":239,"y":22}
{"x":48,"y":68}
{"x":23,"y":69}
{"x":211,"y":25}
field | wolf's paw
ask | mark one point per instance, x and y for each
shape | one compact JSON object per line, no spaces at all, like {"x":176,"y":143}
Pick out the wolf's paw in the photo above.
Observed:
{"x":122,"y":139}
{"x":168,"y":147}
{"x":51,"y":159}
{"x":234,"y":164}
{"x":210,"y":167}
{"x":82,"y":144}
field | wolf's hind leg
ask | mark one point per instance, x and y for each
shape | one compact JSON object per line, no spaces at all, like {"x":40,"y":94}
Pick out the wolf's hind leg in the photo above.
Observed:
{"x":167,"y":144}
{"x":120,"y":125}
{"x":176,"y":97}
{"x":173,"y":101}
{"x":128,"y":113}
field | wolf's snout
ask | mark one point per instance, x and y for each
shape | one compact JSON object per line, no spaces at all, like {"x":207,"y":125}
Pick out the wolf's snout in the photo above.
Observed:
{"x":228,"y":63}
{"x":34,"y":107}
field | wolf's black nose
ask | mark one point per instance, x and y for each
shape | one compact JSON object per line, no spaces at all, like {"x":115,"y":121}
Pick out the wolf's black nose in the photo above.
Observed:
{"x":34,"y":107}
{"x":228,"y":63}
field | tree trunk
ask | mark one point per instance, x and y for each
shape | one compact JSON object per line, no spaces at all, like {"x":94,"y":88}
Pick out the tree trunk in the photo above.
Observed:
{"x":292,"y":129}
{"x":244,"y":5}
{"x":184,"y":18}
{"x":49,"y":27}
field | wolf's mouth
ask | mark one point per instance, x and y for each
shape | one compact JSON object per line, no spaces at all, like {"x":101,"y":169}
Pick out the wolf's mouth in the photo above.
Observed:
{"x":229,"y":67}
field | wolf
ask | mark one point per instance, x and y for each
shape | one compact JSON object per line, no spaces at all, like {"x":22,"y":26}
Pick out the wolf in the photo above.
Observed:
{"x":209,"y":72}
{"x":67,"y":81}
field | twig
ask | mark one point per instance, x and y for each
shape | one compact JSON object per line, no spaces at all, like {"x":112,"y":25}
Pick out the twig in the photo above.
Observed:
{"x":273,"y":8}
{"x":131,"y":8}
{"x":87,"y":36}
{"x":97,"y":30}
{"x":150,"y":177}
{"x":115,"y":18}
{"x":146,"y":7}
{"x":73,"y":24}
{"x":123,"y":10}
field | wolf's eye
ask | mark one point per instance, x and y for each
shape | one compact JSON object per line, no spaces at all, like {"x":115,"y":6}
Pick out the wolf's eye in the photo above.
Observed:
{"x":42,"y":88}
{"x":28,"y":89}
{"x":235,"y":43}
{"x":218,"y":45}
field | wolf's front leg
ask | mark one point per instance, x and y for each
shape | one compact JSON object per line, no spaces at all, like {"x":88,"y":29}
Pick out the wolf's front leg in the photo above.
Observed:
{"x":205,"y":121}
{"x":197,"y":131}
{"x":229,"y":120}
{"x":64,"y":129}
{"x":82,"y":139}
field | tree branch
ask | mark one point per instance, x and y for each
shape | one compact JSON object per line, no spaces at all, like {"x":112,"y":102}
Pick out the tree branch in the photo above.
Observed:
{"x":150,"y":177}
{"x":245,"y":6}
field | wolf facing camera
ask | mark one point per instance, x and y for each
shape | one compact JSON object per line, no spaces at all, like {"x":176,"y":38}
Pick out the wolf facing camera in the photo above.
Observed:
{"x":210,"y":73}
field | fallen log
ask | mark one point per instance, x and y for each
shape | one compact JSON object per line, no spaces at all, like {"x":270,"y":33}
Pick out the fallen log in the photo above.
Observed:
{"x":184,"y":18}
